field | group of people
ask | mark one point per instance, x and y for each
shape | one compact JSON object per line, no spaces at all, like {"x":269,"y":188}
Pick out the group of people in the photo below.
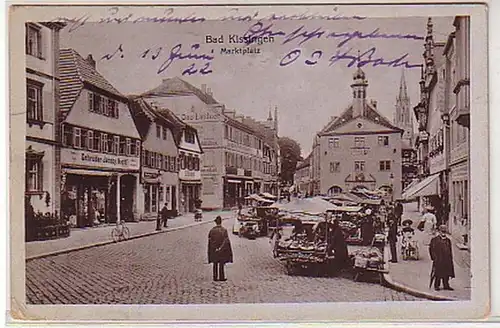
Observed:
{"x":439,"y":244}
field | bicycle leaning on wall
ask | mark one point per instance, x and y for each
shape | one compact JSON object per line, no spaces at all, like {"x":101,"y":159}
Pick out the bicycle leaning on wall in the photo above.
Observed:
{"x":120,"y":232}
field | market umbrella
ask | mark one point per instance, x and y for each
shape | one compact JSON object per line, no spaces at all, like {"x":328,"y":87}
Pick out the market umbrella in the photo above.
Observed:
{"x":433,"y":275}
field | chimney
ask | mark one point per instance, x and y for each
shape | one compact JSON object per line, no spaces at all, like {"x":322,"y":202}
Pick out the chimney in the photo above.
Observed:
{"x":91,"y":60}
{"x":204,"y":88}
{"x":374,"y":104}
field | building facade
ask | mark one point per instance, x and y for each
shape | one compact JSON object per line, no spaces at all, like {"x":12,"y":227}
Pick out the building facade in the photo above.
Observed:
{"x":159,"y":161}
{"x":302,"y":176}
{"x":458,"y":105}
{"x":240,"y":155}
{"x":42,"y":171}
{"x":403,"y":119}
{"x":360,"y":148}
{"x":101,"y":146}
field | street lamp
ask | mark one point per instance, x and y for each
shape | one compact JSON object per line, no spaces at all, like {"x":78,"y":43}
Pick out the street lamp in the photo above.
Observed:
{"x":391,"y":177}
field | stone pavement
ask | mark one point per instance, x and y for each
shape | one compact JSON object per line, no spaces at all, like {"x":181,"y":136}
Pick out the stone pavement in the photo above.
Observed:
{"x":413,"y":276}
{"x":172,"y":268}
{"x":81,"y":238}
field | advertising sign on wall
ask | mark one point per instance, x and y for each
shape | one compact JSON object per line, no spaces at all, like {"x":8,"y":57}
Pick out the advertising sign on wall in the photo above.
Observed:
{"x":97,"y":160}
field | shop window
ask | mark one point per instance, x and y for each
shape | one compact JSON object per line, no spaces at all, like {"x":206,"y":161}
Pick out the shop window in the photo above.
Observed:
{"x":359,"y":141}
{"x":154,"y":200}
{"x":34,"y":174}
{"x":383,"y":141}
{"x":110,"y":143}
{"x":116,"y":144}
{"x":137,"y":148}
{"x":129,"y":146}
{"x":104,"y":142}
{"x":359,"y":166}
{"x":77,"y":137}
{"x":34,"y":100}
{"x":67,"y":135}
{"x":123,"y":146}
{"x":160,"y":194}
{"x":97,"y":140}
{"x":385,"y":165}
{"x":33,"y":40}
{"x":147,"y":198}
{"x":189,"y":137}
{"x":90,"y":139}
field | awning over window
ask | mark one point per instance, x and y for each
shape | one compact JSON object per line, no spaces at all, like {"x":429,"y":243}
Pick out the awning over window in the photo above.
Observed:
{"x":427,"y":187}
{"x":87,"y":172}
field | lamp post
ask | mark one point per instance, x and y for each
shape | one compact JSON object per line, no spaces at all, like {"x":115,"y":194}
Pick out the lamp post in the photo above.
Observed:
{"x":391,"y":177}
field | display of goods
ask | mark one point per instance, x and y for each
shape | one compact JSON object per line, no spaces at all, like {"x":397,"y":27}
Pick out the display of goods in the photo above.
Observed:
{"x":368,"y":257}
{"x":379,"y":238}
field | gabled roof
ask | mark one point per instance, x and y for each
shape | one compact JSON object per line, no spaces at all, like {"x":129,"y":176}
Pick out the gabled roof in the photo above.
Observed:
{"x":75,"y":71}
{"x":178,"y":87}
{"x":370,"y":113}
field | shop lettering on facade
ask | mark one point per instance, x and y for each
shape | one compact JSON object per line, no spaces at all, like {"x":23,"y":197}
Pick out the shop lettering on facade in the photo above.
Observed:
{"x":200,"y":116}
{"x":94,"y":160}
{"x":209,"y":169}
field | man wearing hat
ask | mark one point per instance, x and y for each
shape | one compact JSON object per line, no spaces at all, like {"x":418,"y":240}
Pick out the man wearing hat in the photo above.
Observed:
{"x":442,"y":259}
{"x":219,"y":249}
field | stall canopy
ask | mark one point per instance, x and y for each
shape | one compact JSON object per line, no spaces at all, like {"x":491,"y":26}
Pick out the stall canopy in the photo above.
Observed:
{"x":268,"y":195}
{"x":427,"y":187}
{"x":314,"y":206}
{"x":258,"y":198}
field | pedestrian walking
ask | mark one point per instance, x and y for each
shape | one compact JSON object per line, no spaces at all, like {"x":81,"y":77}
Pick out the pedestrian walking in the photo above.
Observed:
{"x":442,"y":259}
{"x":392,"y":238}
{"x":398,"y":212}
{"x":367,"y":232}
{"x":219,"y":249}
{"x":165,"y":214}
{"x":429,"y":221}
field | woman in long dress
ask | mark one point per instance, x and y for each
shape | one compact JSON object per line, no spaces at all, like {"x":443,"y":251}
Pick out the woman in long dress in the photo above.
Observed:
{"x":430,"y":222}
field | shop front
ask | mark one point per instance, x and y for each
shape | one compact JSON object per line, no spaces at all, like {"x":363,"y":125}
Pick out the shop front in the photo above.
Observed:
{"x":190,"y":189}
{"x":104,"y":192}
{"x":158,"y":188}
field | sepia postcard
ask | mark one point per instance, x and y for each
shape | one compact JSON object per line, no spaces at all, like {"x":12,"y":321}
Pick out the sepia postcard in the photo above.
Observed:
{"x":271,"y":162}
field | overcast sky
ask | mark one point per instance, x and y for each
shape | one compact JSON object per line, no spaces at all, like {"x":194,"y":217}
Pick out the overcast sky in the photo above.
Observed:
{"x":306,"y":95}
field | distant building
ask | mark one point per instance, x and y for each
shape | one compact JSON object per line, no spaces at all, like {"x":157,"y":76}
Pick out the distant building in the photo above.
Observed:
{"x":240,"y":155}
{"x":42,"y":189}
{"x":457,"y":103}
{"x":359,"y":148}
{"x":101,"y":146}
{"x":403,"y":119}
{"x":302,"y":176}
{"x":159,"y":160}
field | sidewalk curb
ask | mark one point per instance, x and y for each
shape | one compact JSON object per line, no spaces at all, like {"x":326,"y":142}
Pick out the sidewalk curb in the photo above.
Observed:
{"x":103,"y":243}
{"x":403,"y":288}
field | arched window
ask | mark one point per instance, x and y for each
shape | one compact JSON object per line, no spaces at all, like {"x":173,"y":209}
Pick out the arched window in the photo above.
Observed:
{"x":334,"y":190}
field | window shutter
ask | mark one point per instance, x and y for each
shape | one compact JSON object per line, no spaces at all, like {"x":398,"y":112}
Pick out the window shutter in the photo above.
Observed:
{"x":91,"y":101}
{"x":40,"y":175}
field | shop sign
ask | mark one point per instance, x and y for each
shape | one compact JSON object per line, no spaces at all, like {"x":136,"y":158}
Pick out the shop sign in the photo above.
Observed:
{"x":98,"y":160}
{"x":189,"y":175}
{"x":209,"y":169}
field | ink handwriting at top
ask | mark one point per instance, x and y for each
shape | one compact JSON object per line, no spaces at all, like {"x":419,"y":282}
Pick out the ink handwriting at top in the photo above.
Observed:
{"x":119,"y":50}
{"x":302,"y":35}
{"x":176,"y":55}
{"x":360,"y":60}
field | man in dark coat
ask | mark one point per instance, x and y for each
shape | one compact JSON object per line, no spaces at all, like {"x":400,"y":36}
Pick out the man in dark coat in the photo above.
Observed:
{"x":338,"y":244}
{"x":398,"y":212}
{"x":367,"y":232}
{"x":163,"y":217}
{"x":442,"y":259}
{"x":392,"y":238}
{"x":219,"y":249}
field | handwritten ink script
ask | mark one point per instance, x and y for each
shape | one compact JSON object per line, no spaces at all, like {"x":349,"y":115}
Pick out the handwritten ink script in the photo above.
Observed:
{"x":200,"y":61}
{"x":169,"y":15}
{"x":301,"y":35}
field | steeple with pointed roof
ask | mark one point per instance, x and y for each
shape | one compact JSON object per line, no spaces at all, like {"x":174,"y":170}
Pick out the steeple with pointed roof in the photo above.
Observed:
{"x":403,"y":118}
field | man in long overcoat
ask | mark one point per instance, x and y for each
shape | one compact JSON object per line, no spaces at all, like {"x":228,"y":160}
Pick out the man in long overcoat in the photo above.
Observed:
{"x":219,"y":249}
{"x":392,"y":238}
{"x":398,"y":212}
{"x":338,"y":244}
{"x":442,"y":258}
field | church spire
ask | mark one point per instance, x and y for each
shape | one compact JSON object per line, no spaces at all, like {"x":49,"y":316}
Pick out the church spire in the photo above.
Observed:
{"x":270,"y":117}
{"x":403,"y":90}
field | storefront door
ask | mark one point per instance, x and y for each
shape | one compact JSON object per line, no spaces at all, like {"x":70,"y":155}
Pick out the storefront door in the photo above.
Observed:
{"x":127,"y":191}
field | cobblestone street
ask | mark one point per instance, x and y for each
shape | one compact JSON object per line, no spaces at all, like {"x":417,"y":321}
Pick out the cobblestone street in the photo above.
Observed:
{"x":172,"y":268}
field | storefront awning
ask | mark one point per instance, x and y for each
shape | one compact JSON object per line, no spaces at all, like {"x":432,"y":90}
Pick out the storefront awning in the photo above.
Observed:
{"x":427,"y":187}
{"x":87,"y":172}
{"x":193,"y":182}
{"x":233,"y":181}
